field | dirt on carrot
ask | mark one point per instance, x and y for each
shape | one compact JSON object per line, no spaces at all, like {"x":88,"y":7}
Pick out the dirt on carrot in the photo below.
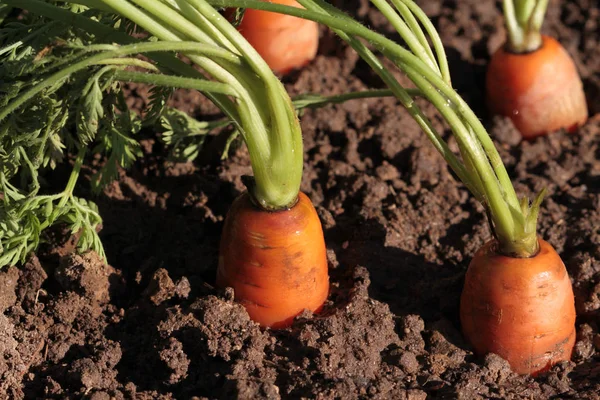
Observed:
{"x":400,"y":234}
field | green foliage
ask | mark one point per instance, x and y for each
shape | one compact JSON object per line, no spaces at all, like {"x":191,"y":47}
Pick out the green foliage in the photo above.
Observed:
{"x":185,"y":135}
{"x":159,"y":96}
{"x":85,"y":110}
{"x":116,"y":141}
{"x":22,"y":221}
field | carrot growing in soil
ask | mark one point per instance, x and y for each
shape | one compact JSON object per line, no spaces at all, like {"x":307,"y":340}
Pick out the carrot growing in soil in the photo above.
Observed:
{"x":531,"y":78}
{"x":272,"y":247}
{"x":517,"y":300}
{"x":283,"y":41}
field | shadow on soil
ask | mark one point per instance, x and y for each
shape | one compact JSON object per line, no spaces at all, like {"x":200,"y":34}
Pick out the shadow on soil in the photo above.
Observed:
{"x":403,"y":280}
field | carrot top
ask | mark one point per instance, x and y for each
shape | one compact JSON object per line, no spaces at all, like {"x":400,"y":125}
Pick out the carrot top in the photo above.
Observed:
{"x":513,"y":221}
{"x":61,"y":69}
{"x":523,"y":19}
{"x":241,"y":85}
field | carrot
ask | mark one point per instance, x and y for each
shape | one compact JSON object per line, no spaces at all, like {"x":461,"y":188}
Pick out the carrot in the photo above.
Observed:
{"x":273,"y":248}
{"x":519,"y":308}
{"x":284,"y":42}
{"x":532,"y":79}
{"x":275,"y":261}
{"x":518,"y":300}
{"x":540,"y":91}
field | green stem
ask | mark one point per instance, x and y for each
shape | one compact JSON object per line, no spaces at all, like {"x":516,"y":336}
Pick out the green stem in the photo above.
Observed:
{"x":179,"y":25}
{"x":278,"y":177}
{"x":175,"y":81}
{"x":523,"y":19}
{"x":537,"y":15}
{"x":66,"y":195}
{"x":433,"y":35}
{"x":200,"y":21}
{"x":130,"y":62}
{"x":414,"y":26}
{"x":316,"y":100}
{"x":119,"y":51}
{"x":523,"y":9}
{"x":107,"y":34}
{"x":75,"y":173}
{"x":407,"y":34}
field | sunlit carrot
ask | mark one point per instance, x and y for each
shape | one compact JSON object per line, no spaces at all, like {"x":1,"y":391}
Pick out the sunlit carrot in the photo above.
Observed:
{"x":275,"y":261}
{"x":284,"y":42}
{"x":518,"y":300}
{"x":272,"y":249}
{"x":519,"y":308}
{"x":532,"y":79}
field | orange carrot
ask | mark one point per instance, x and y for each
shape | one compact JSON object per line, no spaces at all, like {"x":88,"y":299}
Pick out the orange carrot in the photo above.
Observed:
{"x":272,"y":250}
{"x":540,"y":91}
{"x":522,"y":309}
{"x":285,"y":42}
{"x":532,"y":79}
{"x":275,"y":261}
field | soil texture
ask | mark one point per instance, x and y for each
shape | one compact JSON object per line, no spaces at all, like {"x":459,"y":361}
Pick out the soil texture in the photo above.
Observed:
{"x":400,"y":233}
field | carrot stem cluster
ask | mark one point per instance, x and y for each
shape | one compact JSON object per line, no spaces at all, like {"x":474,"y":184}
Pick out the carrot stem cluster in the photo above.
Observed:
{"x":479,"y":165}
{"x":261,"y":110}
{"x":524,"y":20}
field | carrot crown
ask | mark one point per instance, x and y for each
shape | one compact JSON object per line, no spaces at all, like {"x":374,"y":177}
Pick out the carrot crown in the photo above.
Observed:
{"x":523,"y":19}
{"x":242,"y":85}
{"x":478,"y":164}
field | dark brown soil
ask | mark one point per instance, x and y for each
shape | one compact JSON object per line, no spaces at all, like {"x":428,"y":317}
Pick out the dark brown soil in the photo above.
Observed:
{"x":400,"y":233}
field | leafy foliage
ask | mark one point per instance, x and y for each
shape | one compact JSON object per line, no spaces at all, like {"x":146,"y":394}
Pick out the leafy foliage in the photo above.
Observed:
{"x":84,"y":112}
{"x":22,"y":221}
{"x":185,"y":135}
{"x":159,"y":96}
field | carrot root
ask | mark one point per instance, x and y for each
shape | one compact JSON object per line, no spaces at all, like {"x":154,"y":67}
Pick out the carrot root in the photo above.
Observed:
{"x":275,"y":261}
{"x":539,"y":91}
{"x":522,"y":309}
{"x":283,"y":41}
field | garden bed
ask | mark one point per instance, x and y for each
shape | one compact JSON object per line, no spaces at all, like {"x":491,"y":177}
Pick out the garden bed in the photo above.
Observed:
{"x":400,"y":232}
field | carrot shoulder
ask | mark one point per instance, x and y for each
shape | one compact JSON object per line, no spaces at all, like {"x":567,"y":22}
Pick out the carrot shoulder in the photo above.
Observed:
{"x":540,"y":91}
{"x":522,"y":309}
{"x":275,"y":261}
{"x":285,"y":42}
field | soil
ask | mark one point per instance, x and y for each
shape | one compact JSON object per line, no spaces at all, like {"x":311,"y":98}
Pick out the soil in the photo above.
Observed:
{"x":399,"y":229}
